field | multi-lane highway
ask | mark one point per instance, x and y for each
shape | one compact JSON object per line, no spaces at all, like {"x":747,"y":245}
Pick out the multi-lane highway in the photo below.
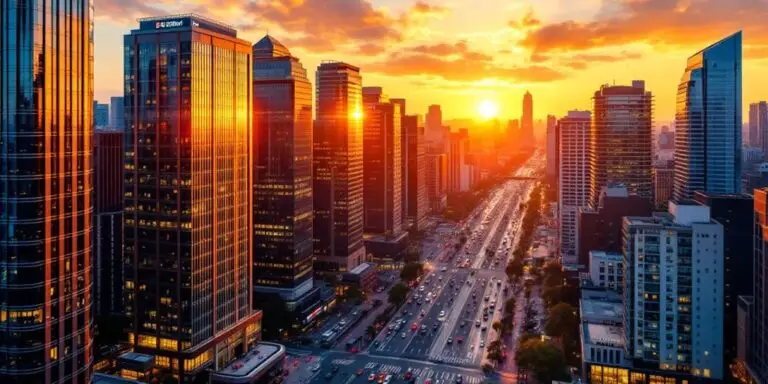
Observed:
{"x":448,"y":317}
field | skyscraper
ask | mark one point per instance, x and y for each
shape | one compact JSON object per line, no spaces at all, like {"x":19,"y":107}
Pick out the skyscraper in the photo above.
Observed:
{"x":382,"y":164}
{"x":100,"y":115}
{"x":434,"y":126}
{"x":282,"y":172}
{"x":573,"y":183}
{"x":188,"y":190}
{"x":403,"y":161}
{"x":527,"y":119}
{"x":108,"y":227}
{"x":553,"y":152}
{"x":621,"y":149}
{"x":117,"y":113}
{"x":663,"y":184}
{"x":758,"y":125}
{"x":415,"y":171}
{"x":708,"y":121}
{"x":459,"y":169}
{"x":436,"y":173}
{"x":46,"y":92}
{"x":673,"y":291}
{"x":757,"y":355}
{"x":338,"y":168}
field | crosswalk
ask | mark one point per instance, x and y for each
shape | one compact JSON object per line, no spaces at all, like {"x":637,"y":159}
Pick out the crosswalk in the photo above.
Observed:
{"x":422,"y":373}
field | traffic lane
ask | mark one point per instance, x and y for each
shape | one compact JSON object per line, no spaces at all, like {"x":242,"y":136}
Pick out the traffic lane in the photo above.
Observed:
{"x":432,"y":320}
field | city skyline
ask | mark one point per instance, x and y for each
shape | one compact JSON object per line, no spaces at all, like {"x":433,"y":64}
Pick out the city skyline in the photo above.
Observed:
{"x":412,"y":48}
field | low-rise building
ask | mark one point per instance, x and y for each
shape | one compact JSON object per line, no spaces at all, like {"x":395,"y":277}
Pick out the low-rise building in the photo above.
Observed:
{"x":363,"y":276}
{"x":261,"y":365}
{"x":606,"y":269}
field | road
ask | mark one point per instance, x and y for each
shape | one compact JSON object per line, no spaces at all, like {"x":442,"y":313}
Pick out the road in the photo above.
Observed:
{"x":442,"y":330}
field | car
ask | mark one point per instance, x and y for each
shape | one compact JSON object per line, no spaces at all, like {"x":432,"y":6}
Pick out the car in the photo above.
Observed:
{"x":459,"y":379}
{"x":315,"y":367}
{"x":442,"y":314}
{"x":487,"y":298}
{"x":328,"y":376}
{"x":372,"y":377}
{"x":403,"y":335}
{"x":408,"y":374}
{"x":450,"y":340}
{"x":484,"y":327}
{"x":335,"y":369}
{"x":414,"y":326}
{"x":482,"y":343}
{"x":477,"y":323}
{"x":463,"y":323}
{"x":387,"y":379}
{"x":359,"y":372}
{"x":435,"y":325}
{"x":421,"y":314}
{"x":459,"y":340}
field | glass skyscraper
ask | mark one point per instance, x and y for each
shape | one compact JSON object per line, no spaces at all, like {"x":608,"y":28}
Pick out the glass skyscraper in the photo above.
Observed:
{"x":188,"y":283}
{"x":338,"y":168}
{"x":282,"y":201}
{"x":708,"y":121}
{"x":46,"y":207}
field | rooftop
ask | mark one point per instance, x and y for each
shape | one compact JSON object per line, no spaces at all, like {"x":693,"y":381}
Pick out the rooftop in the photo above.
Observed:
{"x":361,"y":268}
{"x":601,"y":334}
{"x":610,"y":256}
{"x":255,"y":362}
{"x":268,"y":46}
{"x":101,"y":378}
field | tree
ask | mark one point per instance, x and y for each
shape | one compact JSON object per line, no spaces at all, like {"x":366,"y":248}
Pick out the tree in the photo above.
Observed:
{"x":514,"y":269}
{"x":398,"y":293}
{"x":488,"y":368}
{"x":561,"y":322}
{"x":496,"y":326}
{"x":371,"y":331}
{"x":509,"y":305}
{"x":553,"y":274}
{"x":411,"y":271}
{"x":552,"y":295}
{"x":354,"y":294}
{"x":542,"y":359}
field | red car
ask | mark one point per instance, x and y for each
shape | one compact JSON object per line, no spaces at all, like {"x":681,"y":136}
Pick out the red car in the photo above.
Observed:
{"x":359,"y":371}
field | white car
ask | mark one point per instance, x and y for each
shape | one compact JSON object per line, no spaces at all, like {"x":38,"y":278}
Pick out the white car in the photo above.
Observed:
{"x":482,"y":343}
{"x":442,"y":314}
{"x":315,"y":367}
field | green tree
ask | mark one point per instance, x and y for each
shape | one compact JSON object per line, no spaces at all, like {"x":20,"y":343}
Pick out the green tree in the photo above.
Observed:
{"x":411,"y":271}
{"x":542,"y":359}
{"x":514,"y":269}
{"x":552,"y":295}
{"x":562,"y":321}
{"x":509,"y":305}
{"x":553,"y":274}
{"x":371,"y":331}
{"x":354,"y":294}
{"x":496,"y":326}
{"x":398,"y":293}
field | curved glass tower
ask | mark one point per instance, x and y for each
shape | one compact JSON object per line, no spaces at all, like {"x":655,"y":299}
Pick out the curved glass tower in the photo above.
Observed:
{"x":708,"y":121}
{"x":46,"y":99}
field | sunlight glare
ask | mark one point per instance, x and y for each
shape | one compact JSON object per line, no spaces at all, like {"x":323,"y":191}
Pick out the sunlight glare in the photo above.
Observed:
{"x":488,"y":109}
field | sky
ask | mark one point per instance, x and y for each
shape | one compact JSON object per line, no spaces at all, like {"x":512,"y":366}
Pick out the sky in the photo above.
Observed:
{"x":461,"y":53}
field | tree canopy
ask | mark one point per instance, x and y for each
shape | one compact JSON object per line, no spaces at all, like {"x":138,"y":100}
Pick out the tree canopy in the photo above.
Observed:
{"x":398,"y":293}
{"x":411,"y":271}
{"x":542,"y":359}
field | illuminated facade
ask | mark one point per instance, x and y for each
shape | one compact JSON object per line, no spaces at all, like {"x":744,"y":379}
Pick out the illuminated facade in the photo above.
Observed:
{"x":573,"y":182}
{"x":46,"y":207}
{"x":187,"y":193}
{"x":708,"y":121}
{"x":414,"y":177}
{"x":382,"y":164}
{"x":117,"y":113}
{"x":757,"y":342}
{"x":674,"y":290}
{"x":527,"y":120}
{"x":282,"y":171}
{"x":338,"y":168}
{"x":436,"y":175}
{"x":621,"y":140}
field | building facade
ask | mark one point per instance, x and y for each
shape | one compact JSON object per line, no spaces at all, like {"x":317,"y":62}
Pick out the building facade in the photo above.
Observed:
{"x":553,"y":152}
{"x":663,"y":184}
{"x":526,"y":122}
{"x":108,"y":274}
{"x":434,"y":126}
{"x":734,"y":212}
{"x":188,"y":192}
{"x":758,"y":125}
{"x":459,"y":168}
{"x":414,"y":160}
{"x":100,"y":115}
{"x":673,"y":291}
{"x":436,"y":180}
{"x":382,"y":164}
{"x":606,"y":270}
{"x":708,"y":121}
{"x":46,"y":248}
{"x":757,"y":350}
{"x":338,"y":168}
{"x":621,"y":148}
{"x":117,"y":113}
{"x":600,"y":228}
{"x":573,"y":183}
{"x":282,"y":172}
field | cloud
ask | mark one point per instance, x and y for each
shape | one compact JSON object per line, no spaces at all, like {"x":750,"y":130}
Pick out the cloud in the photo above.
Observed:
{"x":528,"y":20}
{"x":659,"y":22}
{"x":583,"y":60}
{"x":422,"y":8}
{"x":457,"y":62}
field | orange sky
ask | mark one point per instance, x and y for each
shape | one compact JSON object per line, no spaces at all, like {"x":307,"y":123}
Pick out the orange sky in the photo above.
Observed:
{"x":457,"y":53}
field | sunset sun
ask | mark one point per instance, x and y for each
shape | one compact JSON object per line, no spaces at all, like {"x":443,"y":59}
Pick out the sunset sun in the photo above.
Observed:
{"x":488,"y":109}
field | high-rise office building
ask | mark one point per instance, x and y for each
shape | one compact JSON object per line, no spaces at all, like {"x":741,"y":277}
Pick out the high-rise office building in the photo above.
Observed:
{"x":553,"y":152}
{"x":663,"y":184}
{"x":282,"y":172}
{"x":758,"y":125}
{"x":666,"y":140}
{"x":573,"y":183}
{"x":403,"y":162}
{"x":117,"y":113}
{"x":382,"y":164}
{"x":108,"y":223}
{"x":734,"y":212}
{"x":338,"y":168}
{"x":621,"y":149}
{"x":673,"y":291}
{"x":757,"y":349}
{"x":46,"y":208}
{"x":527,"y":119}
{"x":708,"y":121}
{"x":459,"y":168}
{"x":414,"y":159}
{"x":434,"y":126}
{"x":436,"y":173}
{"x":100,"y":115}
{"x":188,"y":191}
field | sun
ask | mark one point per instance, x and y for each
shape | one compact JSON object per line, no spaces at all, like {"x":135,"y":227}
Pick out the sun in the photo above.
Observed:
{"x":488,"y":109}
